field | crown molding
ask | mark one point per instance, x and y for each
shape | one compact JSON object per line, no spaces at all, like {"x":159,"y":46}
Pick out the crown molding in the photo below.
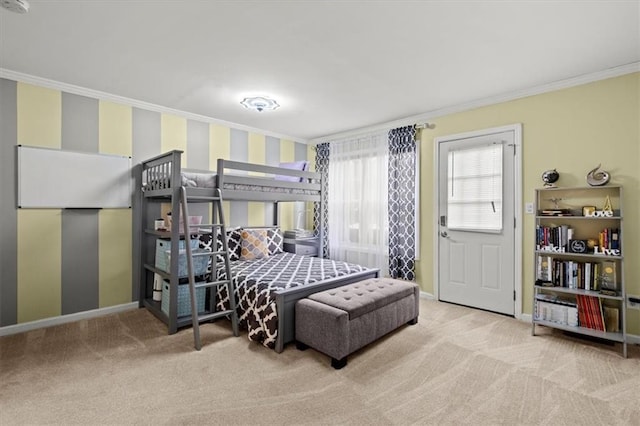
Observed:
{"x":492,"y":100}
{"x":96,"y":94}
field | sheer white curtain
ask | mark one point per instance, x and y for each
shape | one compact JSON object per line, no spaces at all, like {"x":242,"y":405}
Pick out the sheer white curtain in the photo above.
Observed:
{"x":357,"y":201}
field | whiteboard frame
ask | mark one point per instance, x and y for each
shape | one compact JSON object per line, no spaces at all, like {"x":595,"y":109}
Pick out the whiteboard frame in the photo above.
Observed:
{"x":56,"y":178}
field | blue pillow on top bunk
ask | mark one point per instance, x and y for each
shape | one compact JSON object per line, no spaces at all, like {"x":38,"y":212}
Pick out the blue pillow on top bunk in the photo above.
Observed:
{"x":295,"y":165}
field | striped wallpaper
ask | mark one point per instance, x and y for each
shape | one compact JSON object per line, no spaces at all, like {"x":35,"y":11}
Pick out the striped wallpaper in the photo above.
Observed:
{"x":56,"y":262}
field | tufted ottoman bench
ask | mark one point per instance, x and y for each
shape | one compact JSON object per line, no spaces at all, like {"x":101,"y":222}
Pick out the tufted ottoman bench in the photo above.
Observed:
{"x":342,"y":320}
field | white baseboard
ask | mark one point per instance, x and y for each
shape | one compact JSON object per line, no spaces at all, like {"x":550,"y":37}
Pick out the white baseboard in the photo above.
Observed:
{"x":63,"y":319}
{"x":429,"y":296}
{"x":526,"y":318}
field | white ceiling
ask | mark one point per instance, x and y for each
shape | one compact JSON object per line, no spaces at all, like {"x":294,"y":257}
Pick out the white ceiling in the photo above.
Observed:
{"x":334,"y":66}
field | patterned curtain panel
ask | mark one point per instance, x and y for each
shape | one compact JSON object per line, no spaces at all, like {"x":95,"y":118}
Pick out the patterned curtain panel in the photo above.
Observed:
{"x":402,"y":203}
{"x":320,"y":210}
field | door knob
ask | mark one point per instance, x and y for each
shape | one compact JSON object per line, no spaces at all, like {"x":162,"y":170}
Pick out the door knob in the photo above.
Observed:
{"x":444,"y":234}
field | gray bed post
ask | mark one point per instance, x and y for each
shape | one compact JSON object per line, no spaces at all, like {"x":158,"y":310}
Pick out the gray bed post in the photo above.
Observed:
{"x":175,"y":237}
{"x":220,"y":173}
{"x":321,"y":217}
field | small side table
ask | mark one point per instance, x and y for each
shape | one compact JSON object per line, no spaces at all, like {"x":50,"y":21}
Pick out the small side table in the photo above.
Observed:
{"x":306,"y":246}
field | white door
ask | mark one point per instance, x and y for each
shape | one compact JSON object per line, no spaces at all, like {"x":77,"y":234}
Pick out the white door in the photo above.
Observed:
{"x":476,"y":218}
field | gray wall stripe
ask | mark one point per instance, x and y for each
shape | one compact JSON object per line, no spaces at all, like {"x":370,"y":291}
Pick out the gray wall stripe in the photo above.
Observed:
{"x":300,"y":151}
{"x":198,"y":158}
{"x":146,"y":144}
{"x":239,"y":151}
{"x":8,"y":211}
{"x":79,"y":123}
{"x":80,"y":264}
{"x":239,"y":141}
{"x":80,"y":228}
{"x":272,"y":151}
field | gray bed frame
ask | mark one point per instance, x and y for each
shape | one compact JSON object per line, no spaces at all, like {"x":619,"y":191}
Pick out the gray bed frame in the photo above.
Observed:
{"x":161,"y":179}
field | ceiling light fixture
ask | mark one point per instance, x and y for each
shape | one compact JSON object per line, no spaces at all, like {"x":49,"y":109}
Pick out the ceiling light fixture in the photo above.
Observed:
{"x":259,"y":103}
{"x":17,"y":6}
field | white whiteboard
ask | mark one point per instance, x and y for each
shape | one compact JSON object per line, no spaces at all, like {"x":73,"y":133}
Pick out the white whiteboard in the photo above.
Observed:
{"x":53,"y":178}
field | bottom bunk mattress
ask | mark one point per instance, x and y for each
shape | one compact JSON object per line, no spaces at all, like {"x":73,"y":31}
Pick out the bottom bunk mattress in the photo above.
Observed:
{"x":256,"y":280}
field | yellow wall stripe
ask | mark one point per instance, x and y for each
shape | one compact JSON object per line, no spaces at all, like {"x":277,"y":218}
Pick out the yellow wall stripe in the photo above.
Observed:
{"x":220,"y":147}
{"x":39,"y":245}
{"x":173,"y":135}
{"x":115,"y":266}
{"x":287,"y":151}
{"x":115,"y":129}
{"x":256,"y":213}
{"x":39,"y":116}
{"x":39,"y":249}
{"x":311,"y":157}
{"x":115,"y":225}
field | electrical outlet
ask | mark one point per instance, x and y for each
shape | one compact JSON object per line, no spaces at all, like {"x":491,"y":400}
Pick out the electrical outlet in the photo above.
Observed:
{"x":528,"y":208}
{"x":633,"y":302}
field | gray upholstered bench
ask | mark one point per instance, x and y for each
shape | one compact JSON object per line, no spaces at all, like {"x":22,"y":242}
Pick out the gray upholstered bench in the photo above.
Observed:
{"x":339,"y":321}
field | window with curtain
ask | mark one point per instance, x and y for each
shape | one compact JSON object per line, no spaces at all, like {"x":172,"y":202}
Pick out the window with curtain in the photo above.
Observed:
{"x":475,"y":189}
{"x":357,"y":201}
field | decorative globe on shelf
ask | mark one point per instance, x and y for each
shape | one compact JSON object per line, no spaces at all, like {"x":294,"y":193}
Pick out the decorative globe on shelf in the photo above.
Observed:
{"x":550,"y":177}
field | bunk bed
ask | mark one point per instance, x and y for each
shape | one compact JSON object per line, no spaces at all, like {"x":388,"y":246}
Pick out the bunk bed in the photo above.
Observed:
{"x":266,"y":298}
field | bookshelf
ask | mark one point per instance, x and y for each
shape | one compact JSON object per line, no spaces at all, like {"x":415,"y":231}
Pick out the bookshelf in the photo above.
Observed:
{"x":579,"y":282}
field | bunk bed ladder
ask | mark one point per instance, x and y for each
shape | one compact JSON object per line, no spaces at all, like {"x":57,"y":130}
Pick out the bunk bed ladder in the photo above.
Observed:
{"x":218,"y":226}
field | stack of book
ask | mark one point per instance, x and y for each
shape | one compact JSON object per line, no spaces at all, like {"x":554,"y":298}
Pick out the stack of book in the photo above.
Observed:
{"x":556,"y":309}
{"x":297,"y":234}
{"x":556,"y":212}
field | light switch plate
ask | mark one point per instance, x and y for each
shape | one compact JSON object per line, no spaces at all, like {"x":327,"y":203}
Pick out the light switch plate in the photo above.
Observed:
{"x":528,"y":208}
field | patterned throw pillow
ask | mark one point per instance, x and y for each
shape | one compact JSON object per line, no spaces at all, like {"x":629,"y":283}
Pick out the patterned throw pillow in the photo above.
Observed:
{"x":234,"y":237}
{"x":254,"y":244}
{"x":233,"y":244}
{"x":275,"y":239}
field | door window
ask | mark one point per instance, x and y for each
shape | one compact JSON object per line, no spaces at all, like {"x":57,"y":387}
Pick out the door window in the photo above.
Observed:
{"x":474,"y":193}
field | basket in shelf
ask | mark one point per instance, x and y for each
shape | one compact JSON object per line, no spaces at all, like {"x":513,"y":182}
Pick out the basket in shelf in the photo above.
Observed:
{"x":163,"y":257}
{"x":184,"y":299}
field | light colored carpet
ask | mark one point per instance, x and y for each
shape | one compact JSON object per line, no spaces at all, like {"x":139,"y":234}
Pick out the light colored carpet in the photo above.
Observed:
{"x":456,"y":366}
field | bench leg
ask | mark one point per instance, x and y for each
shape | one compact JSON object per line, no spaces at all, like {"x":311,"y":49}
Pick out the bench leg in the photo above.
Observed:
{"x":301,"y":346}
{"x":413,"y":321}
{"x":338,"y":363}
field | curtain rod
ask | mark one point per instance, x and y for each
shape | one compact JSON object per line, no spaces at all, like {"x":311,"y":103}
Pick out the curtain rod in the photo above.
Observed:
{"x":426,"y":125}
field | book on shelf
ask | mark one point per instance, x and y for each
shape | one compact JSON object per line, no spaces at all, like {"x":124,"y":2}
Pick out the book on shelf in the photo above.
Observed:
{"x":608,"y":278}
{"x":611,"y":319}
{"x":590,"y":312}
{"x":544,"y":269}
